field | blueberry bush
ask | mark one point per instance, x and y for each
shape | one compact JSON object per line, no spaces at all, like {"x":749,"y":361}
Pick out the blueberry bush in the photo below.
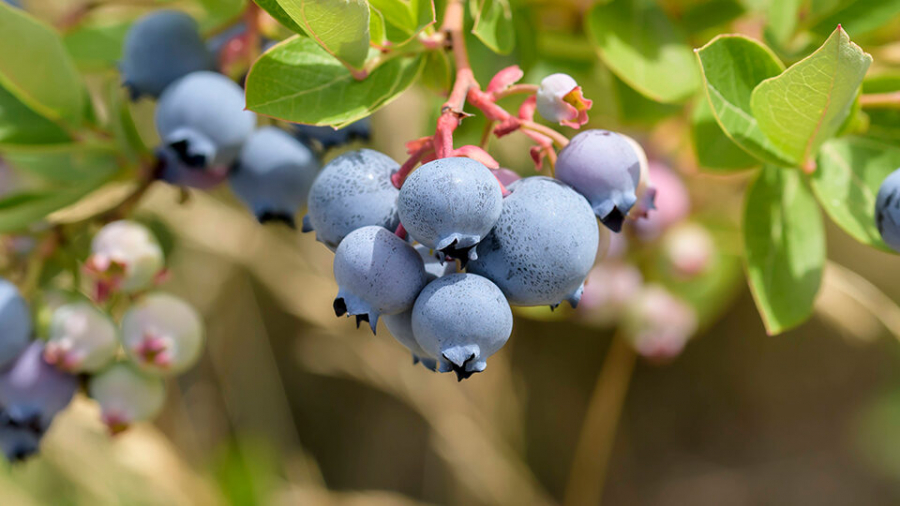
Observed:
{"x":614,"y":164}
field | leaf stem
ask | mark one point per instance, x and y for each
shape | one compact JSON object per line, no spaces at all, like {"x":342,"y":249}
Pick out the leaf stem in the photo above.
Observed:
{"x":558,"y":138}
{"x":881,"y":100}
{"x":598,"y":432}
{"x":517,"y":89}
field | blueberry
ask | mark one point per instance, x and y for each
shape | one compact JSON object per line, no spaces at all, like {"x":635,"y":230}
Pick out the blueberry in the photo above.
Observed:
{"x":126,"y":395}
{"x":160,"y":48}
{"x":433,"y":266}
{"x":32,"y":391}
{"x":274,"y":174}
{"x":377,"y":274}
{"x":162,"y":334}
{"x":202,"y":118}
{"x":328,"y":137}
{"x":463,"y":319}
{"x":450,"y":204}
{"x":543,"y":245}
{"x":173,"y":170}
{"x":400,"y":326}
{"x":887,"y":210}
{"x":82,"y":338}
{"x":125,"y":256}
{"x":15,"y":320}
{"x":603,"y":167}
{"x":354,"y":190}
{"x":18,"y":443}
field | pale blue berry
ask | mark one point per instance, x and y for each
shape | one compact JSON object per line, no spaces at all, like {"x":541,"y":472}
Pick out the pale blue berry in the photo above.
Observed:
{"x":15,"y":322}
{"x":887,"y":210}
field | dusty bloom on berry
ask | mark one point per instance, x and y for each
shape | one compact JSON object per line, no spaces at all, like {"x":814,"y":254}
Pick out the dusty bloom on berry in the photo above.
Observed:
{"x":560,"y":100}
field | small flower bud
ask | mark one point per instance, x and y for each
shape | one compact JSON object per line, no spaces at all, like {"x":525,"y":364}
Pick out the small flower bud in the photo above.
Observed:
{"x":560,"y":100}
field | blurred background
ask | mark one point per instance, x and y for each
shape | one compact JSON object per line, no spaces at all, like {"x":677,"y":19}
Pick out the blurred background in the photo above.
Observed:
{"x":291,"y":405}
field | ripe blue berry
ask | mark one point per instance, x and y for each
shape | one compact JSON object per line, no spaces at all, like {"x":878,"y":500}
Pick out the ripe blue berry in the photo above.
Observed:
{"x":887,"y":210}
{"x":328,"y":137}
{"x":354,"y":190}
{"x":543,"y":245}
{"x":15,"y":320}
{"x":274,"y":174}
{"x":162,"y":334}
{"x":450,"y":204}
{"x":159,"y":49}
{"x":463,"y":319}
{"x":400,"y":326}
{"x":173,"y":170}
{"x":126,"y":395}
{"x":82,"y":339}
{"x":377,"y":274}
{"x":32,"y":391}
{"x":18,"y":443}
{"x":202,"y":118}
{"x":603,"y":167}
{"x":433,"y":266}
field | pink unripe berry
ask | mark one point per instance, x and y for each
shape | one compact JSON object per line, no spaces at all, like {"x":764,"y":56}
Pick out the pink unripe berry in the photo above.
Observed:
{"x":162,"y":334}
{"x":658,"y":324}
{"x":125,"y":256}
{"x":609,"y":288}
{"x":672,"y":203}
{"x":689,"y":248}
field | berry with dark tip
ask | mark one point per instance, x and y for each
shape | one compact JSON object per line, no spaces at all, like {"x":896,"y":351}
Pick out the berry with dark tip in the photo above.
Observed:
{"x":400,"y":326}
{"x":15,"y":320}
{"x":887,"y":210}
{"x":172,"y":169}
{"x":82,"y":339}
{"x":543,"y":245}
{"x":463,"y":319}
{"x":19,"y":443}
{"x":162,"y":334}
{"x":32,"y":391}
{"x":450,"y":205}
{"x":354,"y":190}
{"x":126,"y":395}
{"x":433,"y":266}
{"x":602,"y":166}
{"x":327,"y":137}
{"x":201,"y":117}
{"x":377,"y":274}
{"x":273,"y":175}
{"x":160,"y":48}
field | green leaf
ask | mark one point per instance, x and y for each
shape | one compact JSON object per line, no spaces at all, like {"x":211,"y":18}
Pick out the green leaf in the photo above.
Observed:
{"x":64,"y":164}
{"x":19,"y":211}
{"x":783,"y":17}
{"x":437,"y":73}
{"x":494,"y":26}
{"x":405,"y":18}
{"x":707,"y":15}
{"x":643,"y":48}
{"x":298,"y":81}
{"x":732,"y":66}
{"x":715,"y":151}
{"x":805,"y":105}
{"x":96,"y":47}
{"x":341,"y":27}
{"x":35,"y":67}
{"x":859,"y":17}
{"x":784,"y":243}
{"x":846,"y":183}
{"x":275,"y":10}
{"x":21,"y":125}
{"x":377,"y":27}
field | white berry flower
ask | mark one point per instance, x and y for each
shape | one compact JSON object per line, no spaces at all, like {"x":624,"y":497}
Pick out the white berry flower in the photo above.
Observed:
{"x":559,"y":99}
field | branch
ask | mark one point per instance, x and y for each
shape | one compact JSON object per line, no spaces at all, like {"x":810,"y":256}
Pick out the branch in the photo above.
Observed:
{"x":881,"y":100}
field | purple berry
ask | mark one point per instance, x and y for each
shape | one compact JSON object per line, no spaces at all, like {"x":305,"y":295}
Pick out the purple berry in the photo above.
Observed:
{"x":32,"y":391}
{"x":604,"y":167}
{"x":377,"y":274}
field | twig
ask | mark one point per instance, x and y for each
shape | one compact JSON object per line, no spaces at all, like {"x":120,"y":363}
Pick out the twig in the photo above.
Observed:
{"x":595,"y":444}
{"x":881,"y":100}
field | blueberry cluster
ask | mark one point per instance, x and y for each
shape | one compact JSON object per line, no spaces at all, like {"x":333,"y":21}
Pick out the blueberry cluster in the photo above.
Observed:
{"x":207,"y":136}
{"x":122,"y":365}
{"x":443,"y":257}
